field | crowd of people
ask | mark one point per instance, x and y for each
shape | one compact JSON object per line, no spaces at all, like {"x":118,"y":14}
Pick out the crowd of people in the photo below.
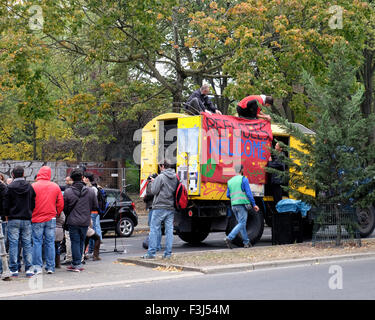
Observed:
{"x":38,"y":217}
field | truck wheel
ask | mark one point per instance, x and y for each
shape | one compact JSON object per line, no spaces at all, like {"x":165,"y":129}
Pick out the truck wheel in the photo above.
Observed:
{"x":254,"y":227}
{"x":268,"y":220}
{"x":366,"y":220}
{"x":193,"y":237}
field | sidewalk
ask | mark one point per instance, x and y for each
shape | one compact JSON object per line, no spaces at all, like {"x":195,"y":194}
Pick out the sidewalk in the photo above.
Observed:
{"x":108,"y":272}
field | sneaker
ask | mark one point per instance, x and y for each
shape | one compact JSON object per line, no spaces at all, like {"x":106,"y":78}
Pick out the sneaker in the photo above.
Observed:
{"x":167,"y":257}
{"x":14,"y":274}
{"x":50,"y":272}
{"x":228,"y":243}
{"x":29,"y":273}
{"x":38,"y":271}
{"x":147,"y":256}
{"x":73,"y":269}
{"x":247,"y":245}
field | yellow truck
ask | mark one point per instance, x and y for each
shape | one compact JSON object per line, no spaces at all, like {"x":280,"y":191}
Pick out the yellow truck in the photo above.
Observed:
{"x":205,"y":149}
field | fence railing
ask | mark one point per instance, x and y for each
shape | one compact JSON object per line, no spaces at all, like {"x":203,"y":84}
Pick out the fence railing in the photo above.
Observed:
{"x":335,"y":223}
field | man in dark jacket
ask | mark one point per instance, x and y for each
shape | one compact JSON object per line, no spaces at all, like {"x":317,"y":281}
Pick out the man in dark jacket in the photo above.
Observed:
{"x":163,"y":187}
{"x":4,"y":224}
{"x":200,"y":102}
{"x":19,"y":204}
{"x":79,"y":201}
{"x":276,"y":180}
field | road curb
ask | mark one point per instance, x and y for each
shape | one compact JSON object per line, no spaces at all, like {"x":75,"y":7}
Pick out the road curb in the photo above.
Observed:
{"x":251,"y":266}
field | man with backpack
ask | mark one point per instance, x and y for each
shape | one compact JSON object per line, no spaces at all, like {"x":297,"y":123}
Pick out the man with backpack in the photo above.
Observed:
{"x":163,"y":187}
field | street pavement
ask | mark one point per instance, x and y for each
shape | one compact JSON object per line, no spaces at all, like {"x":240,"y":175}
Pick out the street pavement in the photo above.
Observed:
{"x":356,"y":280}
{"x":107,"y":275}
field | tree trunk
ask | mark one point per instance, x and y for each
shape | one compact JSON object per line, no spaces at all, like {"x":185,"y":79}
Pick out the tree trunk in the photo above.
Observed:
{"x":288,"y":112}
{"x":367,"y":75}
{"x":34,"y":142}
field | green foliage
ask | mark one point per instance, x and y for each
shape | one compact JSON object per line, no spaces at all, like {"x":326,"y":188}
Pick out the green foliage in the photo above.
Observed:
{"x":337,"y":161}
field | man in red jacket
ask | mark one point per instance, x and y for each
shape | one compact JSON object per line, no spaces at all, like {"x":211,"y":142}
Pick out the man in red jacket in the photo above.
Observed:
{"x":49,"y":202}
{"x":261,"y":100}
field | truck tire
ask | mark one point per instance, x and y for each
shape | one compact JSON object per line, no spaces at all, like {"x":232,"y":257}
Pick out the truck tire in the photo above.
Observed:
{"x":254,"y":227}
{"x":366,"y":220}
{"x":193,"y":237}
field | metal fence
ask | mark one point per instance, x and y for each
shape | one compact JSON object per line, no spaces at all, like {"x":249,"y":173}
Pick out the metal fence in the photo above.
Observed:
{"x":115,"y":178}
{"x":335,"y":224}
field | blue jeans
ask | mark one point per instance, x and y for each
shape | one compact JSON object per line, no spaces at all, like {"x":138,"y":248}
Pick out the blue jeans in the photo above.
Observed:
{"x":5,"y":234}
{"x":95,"y":217}
{"x":19,"y":229}
{"x":240,"y":213}
{"x":77,"y":238}
{"x":158,"y":216}
{"x":48,"y":230}
{"x":158,"y":246}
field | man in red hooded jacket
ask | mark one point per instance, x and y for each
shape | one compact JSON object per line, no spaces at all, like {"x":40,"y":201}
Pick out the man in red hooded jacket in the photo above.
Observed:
{"x":49,"y":203}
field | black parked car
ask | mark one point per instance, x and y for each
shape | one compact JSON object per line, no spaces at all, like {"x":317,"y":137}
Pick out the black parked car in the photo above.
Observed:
{"x":120,"y":215}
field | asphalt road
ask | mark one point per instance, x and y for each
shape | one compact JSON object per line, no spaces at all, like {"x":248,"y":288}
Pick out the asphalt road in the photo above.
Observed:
{"x":349,"y":280}
{"x":133,"y":244}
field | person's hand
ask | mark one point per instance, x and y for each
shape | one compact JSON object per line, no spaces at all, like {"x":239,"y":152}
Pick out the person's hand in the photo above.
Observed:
{"x":270,"y":158}
{"x":218,"y":112}
{"x":209,"y":112}
{"x":268,"y":117}
{"x":256,"y":208}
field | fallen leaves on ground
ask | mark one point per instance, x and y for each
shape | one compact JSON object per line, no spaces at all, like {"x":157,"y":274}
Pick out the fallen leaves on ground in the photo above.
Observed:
{"x":168,"y":269}
{"x":124,"y":263}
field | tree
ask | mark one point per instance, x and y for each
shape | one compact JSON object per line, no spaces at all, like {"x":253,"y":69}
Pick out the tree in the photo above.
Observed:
{"x":337,"y":161}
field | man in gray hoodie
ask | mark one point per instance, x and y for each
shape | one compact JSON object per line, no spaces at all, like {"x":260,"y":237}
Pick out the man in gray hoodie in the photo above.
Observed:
{"x":79,"y":201}
{"x":163,"y":187}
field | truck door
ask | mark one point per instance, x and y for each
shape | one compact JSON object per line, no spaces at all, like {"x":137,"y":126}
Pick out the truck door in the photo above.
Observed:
{"x":188,"y":153}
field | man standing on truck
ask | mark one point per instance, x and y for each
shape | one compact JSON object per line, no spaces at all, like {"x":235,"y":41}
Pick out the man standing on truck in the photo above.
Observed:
{"x":262,"y":100}
{"x":200,"y":102}
{"x":163,"y":187}
{"x":240,"y":196}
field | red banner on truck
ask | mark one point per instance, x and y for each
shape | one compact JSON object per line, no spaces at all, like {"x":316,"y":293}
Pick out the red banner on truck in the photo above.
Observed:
{"x":228,"y":141}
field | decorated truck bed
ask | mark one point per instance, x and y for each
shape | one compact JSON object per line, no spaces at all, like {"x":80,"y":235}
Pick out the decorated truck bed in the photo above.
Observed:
{"x":206,"y":149}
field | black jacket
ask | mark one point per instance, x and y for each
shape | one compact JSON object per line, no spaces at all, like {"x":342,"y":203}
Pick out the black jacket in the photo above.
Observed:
{"x":79,"y":201}
{"x":204,"y":101}
{"x":3,"y":190}
{"x":19,"y":200}
{"x":277,"y":164}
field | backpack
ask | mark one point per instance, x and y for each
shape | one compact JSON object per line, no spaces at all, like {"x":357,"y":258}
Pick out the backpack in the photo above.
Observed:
{"x":181,"y":196}
{"x":102,"y":200}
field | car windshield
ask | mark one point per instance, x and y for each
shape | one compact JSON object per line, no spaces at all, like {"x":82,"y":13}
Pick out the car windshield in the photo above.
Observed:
{"x":114,"y":195}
